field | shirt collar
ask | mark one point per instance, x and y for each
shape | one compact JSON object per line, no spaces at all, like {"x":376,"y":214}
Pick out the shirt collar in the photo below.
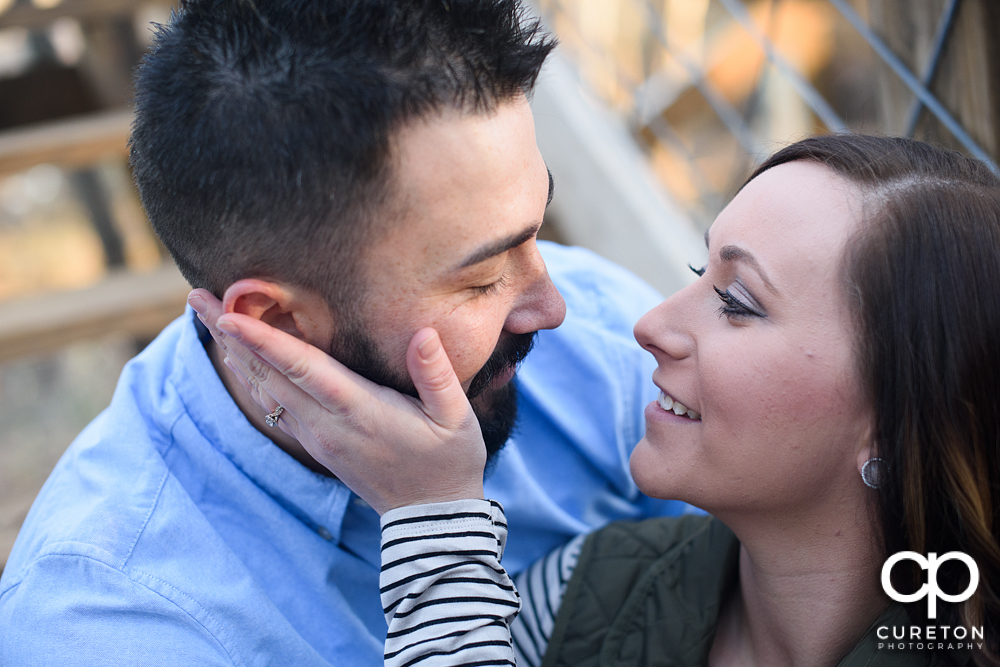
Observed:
{"x":316,"y":500}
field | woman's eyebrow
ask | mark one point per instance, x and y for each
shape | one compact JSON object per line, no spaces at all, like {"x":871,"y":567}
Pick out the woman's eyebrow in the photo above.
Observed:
{"x":732,"y":253}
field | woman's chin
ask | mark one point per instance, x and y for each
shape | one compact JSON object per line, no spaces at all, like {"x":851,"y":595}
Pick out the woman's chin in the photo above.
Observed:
{"x":651,"y":473}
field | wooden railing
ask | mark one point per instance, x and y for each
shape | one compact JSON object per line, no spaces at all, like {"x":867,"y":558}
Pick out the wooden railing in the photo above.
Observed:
{"x":27,"y":15}
{"x":80,"y":141}
{"x":136,"y":303}
{"x":140,"y":304}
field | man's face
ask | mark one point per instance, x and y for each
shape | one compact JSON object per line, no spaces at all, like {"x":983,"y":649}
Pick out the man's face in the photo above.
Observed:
{"x":459,"y":255}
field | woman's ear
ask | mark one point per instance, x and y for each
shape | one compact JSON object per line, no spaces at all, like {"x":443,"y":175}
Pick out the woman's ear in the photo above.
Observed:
{"x":296,"y":311}
{"x":863,"y":457}
{"x":867,"y":449}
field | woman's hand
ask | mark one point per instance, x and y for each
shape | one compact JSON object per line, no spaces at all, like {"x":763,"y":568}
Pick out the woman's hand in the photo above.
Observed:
{"x":389,"y":448}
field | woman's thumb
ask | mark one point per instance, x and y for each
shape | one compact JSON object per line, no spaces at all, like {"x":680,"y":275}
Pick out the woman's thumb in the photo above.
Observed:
{"x":439,"y":389}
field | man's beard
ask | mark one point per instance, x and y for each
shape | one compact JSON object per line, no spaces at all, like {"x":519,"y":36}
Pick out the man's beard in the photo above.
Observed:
{"x":494,"y":407}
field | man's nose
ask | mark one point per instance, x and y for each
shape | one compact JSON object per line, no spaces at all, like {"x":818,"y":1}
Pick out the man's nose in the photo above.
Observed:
{"x":540,"y":305}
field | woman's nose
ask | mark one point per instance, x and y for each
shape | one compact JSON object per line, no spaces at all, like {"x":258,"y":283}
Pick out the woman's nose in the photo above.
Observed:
{"x":663,"y":331}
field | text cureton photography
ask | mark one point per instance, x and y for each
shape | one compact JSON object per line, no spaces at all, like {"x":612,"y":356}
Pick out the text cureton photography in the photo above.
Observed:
{"x":930,"y":637}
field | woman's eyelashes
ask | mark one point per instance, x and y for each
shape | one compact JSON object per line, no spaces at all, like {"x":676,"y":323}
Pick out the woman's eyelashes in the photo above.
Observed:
{"x":735,"y":307}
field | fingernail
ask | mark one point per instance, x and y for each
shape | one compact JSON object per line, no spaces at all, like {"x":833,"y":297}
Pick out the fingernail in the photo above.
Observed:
{"x":429,"y":349}
{"x":229,"y":364}
{"x":197,"y":304}
{"x":218,"y":338}
{"x":229,"y":328}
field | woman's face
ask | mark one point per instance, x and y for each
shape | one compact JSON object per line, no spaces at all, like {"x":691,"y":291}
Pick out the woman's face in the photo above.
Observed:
{"x":766,"y":367}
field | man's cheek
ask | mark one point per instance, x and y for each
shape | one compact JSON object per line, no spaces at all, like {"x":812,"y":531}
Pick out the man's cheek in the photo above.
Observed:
{"x":467,"y":369}
{"x":468,"y":353}
{"x":460,"y":362}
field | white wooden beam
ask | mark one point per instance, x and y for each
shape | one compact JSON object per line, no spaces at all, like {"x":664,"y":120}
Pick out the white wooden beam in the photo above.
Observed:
{"x":606,"y":196}
{"x":137,"y":303}
{"x":73,"y":142}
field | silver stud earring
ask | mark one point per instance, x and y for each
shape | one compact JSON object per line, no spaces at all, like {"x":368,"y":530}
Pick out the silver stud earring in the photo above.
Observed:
{"x":872,"y":472}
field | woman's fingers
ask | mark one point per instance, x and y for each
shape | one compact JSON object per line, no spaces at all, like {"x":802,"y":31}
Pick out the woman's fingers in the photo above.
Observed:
{"x":209,"y":310}
{"x":389,"y":448}
{"x":440,"y":391}
{"x":241,"y":378}
{"x":270,"y":389}
{"x":266,"y":388}
{"x":287,"y":422}
{"x":267,"y":350}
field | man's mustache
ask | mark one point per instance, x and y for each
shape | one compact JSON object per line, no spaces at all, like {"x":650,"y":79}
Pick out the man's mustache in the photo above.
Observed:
{"x":509,"y":352}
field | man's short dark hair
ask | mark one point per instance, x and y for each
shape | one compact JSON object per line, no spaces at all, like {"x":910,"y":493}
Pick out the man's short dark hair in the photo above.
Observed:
{"x":263,"y":127}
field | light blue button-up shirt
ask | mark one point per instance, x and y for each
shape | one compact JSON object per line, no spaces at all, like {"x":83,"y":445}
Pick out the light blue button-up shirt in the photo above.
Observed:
{"x":172,"y":532}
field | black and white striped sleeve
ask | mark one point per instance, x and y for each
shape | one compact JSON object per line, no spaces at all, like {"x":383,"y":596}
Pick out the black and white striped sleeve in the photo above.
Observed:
{"x":447,"y":600}
{"x":542,"y":587}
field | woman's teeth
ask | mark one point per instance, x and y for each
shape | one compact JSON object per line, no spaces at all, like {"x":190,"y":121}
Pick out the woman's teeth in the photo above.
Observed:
{"x":676,"y":407}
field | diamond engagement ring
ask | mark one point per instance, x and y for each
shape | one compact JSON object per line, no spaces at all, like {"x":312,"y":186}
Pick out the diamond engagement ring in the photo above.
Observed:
{"x":272,"y":419}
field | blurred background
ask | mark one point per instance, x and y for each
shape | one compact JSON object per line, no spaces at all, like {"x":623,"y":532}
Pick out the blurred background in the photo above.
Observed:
{"x":650,"y":115}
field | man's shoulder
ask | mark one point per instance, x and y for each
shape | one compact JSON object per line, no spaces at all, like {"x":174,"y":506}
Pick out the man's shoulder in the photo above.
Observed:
{"x":131,"y":547}
{"x":108,"y":481}
{"x":116,"y":550}
{"x":109,"y":552}
{"x":180,"y":596}
{"x":108,"y":509}
{"x":95,"y":614}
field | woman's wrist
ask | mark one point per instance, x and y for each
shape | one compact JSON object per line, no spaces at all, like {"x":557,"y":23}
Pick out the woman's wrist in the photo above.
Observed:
{"x":439,"y":496}
{"x":488,"y":512}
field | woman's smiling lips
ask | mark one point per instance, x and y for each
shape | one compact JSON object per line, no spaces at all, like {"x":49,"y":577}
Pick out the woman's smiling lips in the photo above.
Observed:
{"x":666,"y":408}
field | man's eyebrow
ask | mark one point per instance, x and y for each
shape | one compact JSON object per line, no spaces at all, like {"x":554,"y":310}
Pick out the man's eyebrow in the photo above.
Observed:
{"x":731,"y":253}
{"x":552,"y":187}
{"x":494,"y":248}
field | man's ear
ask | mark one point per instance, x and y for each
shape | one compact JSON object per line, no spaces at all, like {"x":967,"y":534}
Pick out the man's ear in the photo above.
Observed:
{"x":300,"y":312}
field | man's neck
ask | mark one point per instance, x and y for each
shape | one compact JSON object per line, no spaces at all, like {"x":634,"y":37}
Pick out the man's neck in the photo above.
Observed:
{"x":255,"y":414}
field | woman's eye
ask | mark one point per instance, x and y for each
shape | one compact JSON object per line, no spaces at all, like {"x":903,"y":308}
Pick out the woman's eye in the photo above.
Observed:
{"x":698,"y":272}
{"x":732,"y":306}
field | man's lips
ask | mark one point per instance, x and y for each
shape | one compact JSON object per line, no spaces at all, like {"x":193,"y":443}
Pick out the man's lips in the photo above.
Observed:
{"x":504,"y":377}
{"x":496,"y":382}
{"x":502,"y":365}
{"x":500,"y":379}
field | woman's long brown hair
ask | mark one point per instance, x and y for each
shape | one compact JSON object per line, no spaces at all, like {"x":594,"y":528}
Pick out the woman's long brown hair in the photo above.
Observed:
{"x":922,"y":279}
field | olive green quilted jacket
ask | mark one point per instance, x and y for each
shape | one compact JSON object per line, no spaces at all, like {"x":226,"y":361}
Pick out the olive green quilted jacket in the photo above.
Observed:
{"x":649,"y":593}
